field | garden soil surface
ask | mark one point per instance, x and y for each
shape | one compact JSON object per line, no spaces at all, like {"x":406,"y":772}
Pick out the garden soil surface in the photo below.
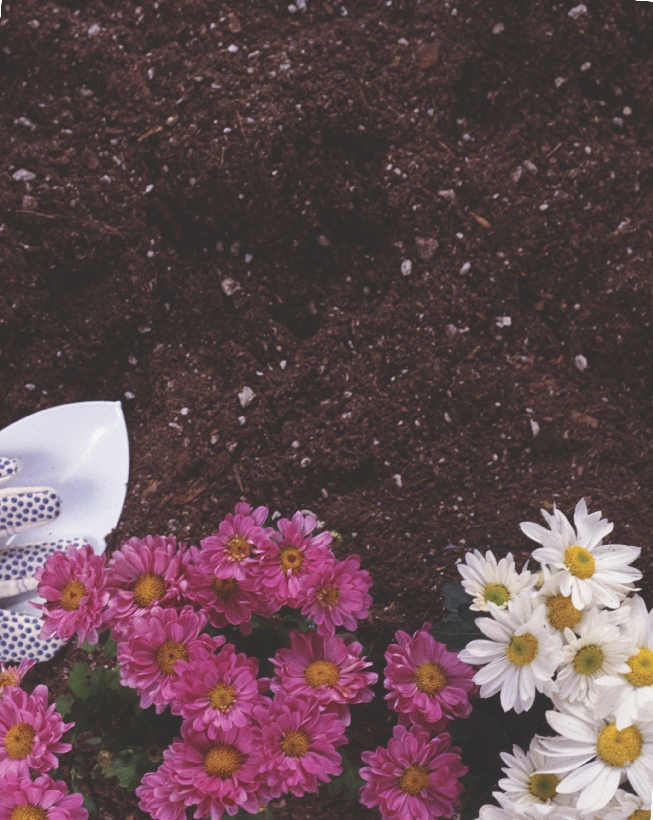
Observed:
{"x":419,"y":232}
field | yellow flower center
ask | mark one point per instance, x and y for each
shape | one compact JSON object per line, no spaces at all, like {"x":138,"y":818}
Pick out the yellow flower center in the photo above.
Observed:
{"x":414,"y":780}
{"x":579,"y":562}
{"x":19,"y":741}
{"x":168,"y":654}
{"x":543,"y":786}
{"x":619,"y":748}
{"x":430,"y":678}
{"x":222,"y":761}
{"x":291,"y":559}
{"x":588,"y":660}
{"x":328,"y":596}
{"x":222,"y":696}
{"x":522,"y":649}
{"x":225,"y":588}
{"x":638,"y":814}
{"x":72,"y":594}
{"x":321,"y":673}
{"x":29,"y":812}
{"x":496,"y":594}
{"x":562,"y":613}
{"x":295,"y":744}
{"x":641,"y":666}
{"x":148,"y":588}
{"x":239,"y":548}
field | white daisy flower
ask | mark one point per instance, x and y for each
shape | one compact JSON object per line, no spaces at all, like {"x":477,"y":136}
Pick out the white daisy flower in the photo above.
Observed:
{"x":561,"y":614}
{"x":592,"y":573}
{"x":595,"y":757}
{"x":628,"y":693}
{"x":489,"y":581}
{"x":626,"y":806}
{"x":526,"y":788}
{"x":521,"y":656}
{"x":490,"y":812}
{"x":599,"y":650}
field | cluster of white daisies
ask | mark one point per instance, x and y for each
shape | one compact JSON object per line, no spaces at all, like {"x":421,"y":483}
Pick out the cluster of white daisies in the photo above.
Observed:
{"x":575,"y":631}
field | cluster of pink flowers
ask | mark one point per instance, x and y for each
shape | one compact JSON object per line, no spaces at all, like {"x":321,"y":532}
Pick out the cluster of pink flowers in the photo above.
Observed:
{"x":418,"y":776}
{"x":240,"y":746}
{"x":30,"y":740}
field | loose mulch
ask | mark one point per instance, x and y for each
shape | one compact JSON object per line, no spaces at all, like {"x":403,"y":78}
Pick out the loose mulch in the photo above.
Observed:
{"x":399,"y":223}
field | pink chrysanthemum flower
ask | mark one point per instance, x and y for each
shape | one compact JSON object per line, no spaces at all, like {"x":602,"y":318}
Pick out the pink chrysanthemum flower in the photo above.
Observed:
{"x":153,"y":645}
{"x":298,"y":744}
{"x":41,"y":799}
{"x":30,"y":732}
{"x":13,"y":675}
{"x":229,"y":552}
{"x":415,"y":778}
{"x":226,"y":600}
{"x":155,"y":793}
{"x":144,"y":573}
{"x":216,"y":775}
{"x":73,"y":584}
{"x":426,"y":681}
{"x":328,"y":669}
{"x":336,"y":595}
{"x":292,"y":555}
{"x":218,"y":691}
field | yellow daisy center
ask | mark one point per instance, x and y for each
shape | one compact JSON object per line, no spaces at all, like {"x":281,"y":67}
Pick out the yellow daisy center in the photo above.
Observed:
{"x":72,"y":594}
{"x":414,"y":780}
{"x":430,"y":678}
{"x":291,"y":559}
{"x":619,"y":748}
{"x":222,"y":761}
{"x":239,"y":548}
{"x":321,"y":673}
{"x":562,"y":613}
{"x":638,"y":814}
{"x":225,"y":588}
{"x":328,"y":596}
{"x":168,"y":654}
{"x":588,"y":660}
{"x":641,"y":666}
{"x":19,"y":741}
{"x":29,"y":812}
{"x":543,"y":786}
{"x":148,"y":588}
{"x":579,"y":562}
{"x":496,"y":594}
{"x":222,"y":696}
{"x":522,"y":649}
{"x":295,"y":744}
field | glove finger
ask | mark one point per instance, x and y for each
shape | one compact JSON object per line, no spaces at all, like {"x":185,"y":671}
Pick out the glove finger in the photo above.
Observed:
{"x":19,"y":638}
{"x":19,"y":563}
{"x":8,"y":468}
{"x":23,"y":508}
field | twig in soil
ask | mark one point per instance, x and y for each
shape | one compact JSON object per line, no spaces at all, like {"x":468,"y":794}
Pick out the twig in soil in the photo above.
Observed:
{"x":237,"y":477}
{"x":552,"y":152}
{"x":36,"y":213}
{"x":150,"y":133}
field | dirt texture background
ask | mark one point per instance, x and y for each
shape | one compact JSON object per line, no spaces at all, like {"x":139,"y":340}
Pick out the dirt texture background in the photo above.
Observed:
{"x":398,"y":223}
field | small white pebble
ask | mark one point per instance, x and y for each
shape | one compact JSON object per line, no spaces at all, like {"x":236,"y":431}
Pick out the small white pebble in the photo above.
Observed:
{"x":402,"y":41}
{"x":295,"y":445}
{"x":246,"y":396}
{"x":465,"y":269}
{"x":499,"y":28}
{"x":214,"y":439}
{"x":241,"y":420}
{"x":30,"y":386}
{"x":516,"y":175}
{"x":448,"y":194}
{"x":149,"y":188}
{"x":129,"y":395}
{"x":578,"y":11}
{"x":248,"y":258}
{"x":233,"y":48}
{"x":34,"y":24}
{"x":406,"y":267}
{"x":530,"y":166}
{"x":398,"y":480}
{"x":23,"y":175}
{"x":581,"y":362}
{"x":94,"y":30}
{"x":325,"y":493}
{"x":503,"y":321}
{"x":447,"y":417}
{"x":535,"y":427}
{"x":175,"y":426}
{"x":627,"y":111}
{"x":292,"y":8}
{"x":560,"y":81}
{"x":184,"y":411}
{"x":231,"y":446}
{"x":282,"y":364}
{"x":230,"y":286}
{"x":105,"y":178}
{"x":588,"y":150}
{"x":133,"y":360}
{"x":543,"y":206}
{"x":305,"y":462}
{"x":586,"y":66}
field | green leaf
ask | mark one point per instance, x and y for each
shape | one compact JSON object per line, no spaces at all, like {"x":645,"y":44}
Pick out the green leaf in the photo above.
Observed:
{"x":89,"y":805}
{"x":455,"y":633}
{"x":349,"y":783}
{"x":78,"y":681}
{"x":94,"y":740}
{"x":98,"y":681}
{"x":64,"y":704}
{"x":89,"y":647}
{"x":110,"y":648}
{"x":453,"y":595}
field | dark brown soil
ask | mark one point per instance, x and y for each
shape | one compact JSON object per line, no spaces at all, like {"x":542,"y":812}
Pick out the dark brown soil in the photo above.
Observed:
{"x":306,"y":166}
